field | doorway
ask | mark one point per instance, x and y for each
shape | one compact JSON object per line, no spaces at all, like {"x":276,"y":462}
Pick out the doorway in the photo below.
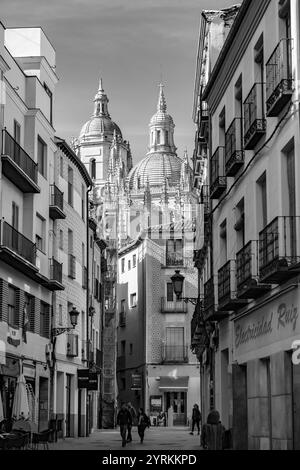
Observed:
{"x":178,"y":400}
{"x":43,"y":404}
{"x":296,"y":407}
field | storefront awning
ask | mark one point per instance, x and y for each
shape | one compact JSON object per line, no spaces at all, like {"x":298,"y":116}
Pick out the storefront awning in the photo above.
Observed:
{"x":170,"y":383}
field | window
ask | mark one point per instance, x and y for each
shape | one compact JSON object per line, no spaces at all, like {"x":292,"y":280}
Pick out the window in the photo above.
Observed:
{"x":49,"y":93}
{"x":123,"y":348}
{"x":70,"y":186}
{"x":15,"y":216}
{"x":223,"y":243}
{"x":13,"y":319}
{"x":61,"y":240}
{"x":93,"y":168}
{"x":17,"y":132}
{"x":29,"y":305}
{"x":131,"y":349}
{"x":60,"y":315}
{"x":42,"y":157}
{"x":123,"y":302}
{"x":44,"y":319}
{"x":61,"y":166}
{"x":170,"y":292}
{"x":158,"y":137}
{"x":123,"y":265}
{"x":129,"y":265}
{"x":132,"y":300}
{"x":40,"y":233}
{"x":240,"y":224}
{"x":262,"y":216}
{"x":166,"y":137}
{"x":174,"y":253}
{"x":174,"y":348}
{"x":82,"y":202}
{"x":123,"y":383}
{"x":70,"y":241}
{"x":134,"y":261}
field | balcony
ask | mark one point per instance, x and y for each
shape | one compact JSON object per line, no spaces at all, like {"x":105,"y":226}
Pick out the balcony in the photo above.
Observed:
{"x":122,"y":319}
{"x":204,"y":120}
{"x":174,"y":354}
{"x":247,"y":273}
{"x":84,"y":277}
{"x":227,"y":291}
{"x":17,"y":165}
{"x":111,"y":274}
{"x":218,"y":180}
{"x":205,"y":201}
{"x":110,"y":305}
{"x":173,"y":306}
{"x":174,"y":260}
{"x":17,"y":250}
{"x":56,"y":206}
{"x":72,"y":345}
{"x":121,"y":363}
{"x":210,"y":313}
{"x":71,"y":266}
{"x":98,"y":361}
{"x":278,"y":252}
{"x":279,"y":83}
{"x":255,"y":124}
{"x":55,"y":278}
{"x":234,"y":152}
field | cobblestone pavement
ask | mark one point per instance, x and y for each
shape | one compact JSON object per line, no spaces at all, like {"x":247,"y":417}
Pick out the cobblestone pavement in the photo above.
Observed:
{"x":155,"y":439}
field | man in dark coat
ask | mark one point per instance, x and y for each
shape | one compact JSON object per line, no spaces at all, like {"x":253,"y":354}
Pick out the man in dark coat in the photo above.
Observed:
{"x":133,"y":420}
{"x":124,"y":419}
{"x":213,"y":432}
{"x":196,"y":418}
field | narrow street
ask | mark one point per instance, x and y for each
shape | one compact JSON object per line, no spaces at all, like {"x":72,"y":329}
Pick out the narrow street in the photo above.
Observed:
{"x":155,"y":439}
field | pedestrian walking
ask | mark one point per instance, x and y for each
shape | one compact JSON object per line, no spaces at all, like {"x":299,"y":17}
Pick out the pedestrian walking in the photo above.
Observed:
{"x":124,"y":420}
{"x":196,"y":418}
{"x":143,"y":423}
{"x":133,"y":420}
{"x":213,"y":432}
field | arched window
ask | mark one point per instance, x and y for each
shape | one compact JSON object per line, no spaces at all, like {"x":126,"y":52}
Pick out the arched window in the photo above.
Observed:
{"x":158,"y":137}
{"x":93,"y":168}
{"x":167,"y":138}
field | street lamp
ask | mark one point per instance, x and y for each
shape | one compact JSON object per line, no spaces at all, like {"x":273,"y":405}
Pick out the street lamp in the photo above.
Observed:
{"x":74,"y":320}
{"x":177,"y":281}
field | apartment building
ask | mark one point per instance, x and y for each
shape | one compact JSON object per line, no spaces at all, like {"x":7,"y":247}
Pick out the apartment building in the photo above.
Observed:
{"x":156,"y":369}
{"x":29,"y":270}
{"x":250,"y":272}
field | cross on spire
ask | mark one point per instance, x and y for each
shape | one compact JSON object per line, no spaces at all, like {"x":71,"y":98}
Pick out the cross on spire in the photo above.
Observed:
{"x":161,"y":105}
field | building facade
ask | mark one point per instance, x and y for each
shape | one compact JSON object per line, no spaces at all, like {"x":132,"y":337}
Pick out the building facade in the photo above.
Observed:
{"x":156,"y":369}
{"x":250,"y":276}
{"x":29,"y":270}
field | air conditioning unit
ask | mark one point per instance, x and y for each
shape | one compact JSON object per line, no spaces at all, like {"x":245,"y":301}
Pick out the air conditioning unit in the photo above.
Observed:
{"x":72,"y":345}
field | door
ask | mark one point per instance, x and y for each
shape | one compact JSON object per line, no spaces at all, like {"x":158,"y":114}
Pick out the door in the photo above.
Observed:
{"x":43,"y":404}
{"x":178,"y":401}
{"x":68,"y":406}
{"x":296,"y":407}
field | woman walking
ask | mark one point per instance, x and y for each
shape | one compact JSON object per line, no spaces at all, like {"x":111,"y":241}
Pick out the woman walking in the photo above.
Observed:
{"x":143,"y":423}
{"x":196,"y":418}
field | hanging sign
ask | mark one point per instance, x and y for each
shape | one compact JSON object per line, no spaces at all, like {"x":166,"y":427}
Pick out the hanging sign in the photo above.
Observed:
{"x":83,"y":378}
{"x":13,"y":336}
{"x":136,"y":382}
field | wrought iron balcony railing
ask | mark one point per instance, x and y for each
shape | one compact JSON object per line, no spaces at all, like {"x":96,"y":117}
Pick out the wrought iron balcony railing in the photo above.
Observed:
{"x":279,"y":257}
{"x":218,"y":180}
{"x":227,"y":290}
{"x":247,"y":272}
{"x":16,"y":242}
{"x":173,"y":306}
{"x":255,"y":124}
{"x":56,"y":207}
{"x":205,"y":200}
{"x":18,"y":166}
{"x":55,"y":270}
{"x":173,"y":260}
{"x":234,"y":149}
{"x":174,"y":354}
{"x":279,"y":77}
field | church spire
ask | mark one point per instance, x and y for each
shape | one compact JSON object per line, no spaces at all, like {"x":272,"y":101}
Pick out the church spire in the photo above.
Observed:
{"x":101,"y":101}
{"x":162,"y":104}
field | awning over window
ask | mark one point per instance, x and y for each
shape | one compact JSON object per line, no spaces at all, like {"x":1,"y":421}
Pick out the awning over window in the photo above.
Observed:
{"x":170,"y":383}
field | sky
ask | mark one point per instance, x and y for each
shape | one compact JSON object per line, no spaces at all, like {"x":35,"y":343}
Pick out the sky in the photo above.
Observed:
{"x":131,"y":44}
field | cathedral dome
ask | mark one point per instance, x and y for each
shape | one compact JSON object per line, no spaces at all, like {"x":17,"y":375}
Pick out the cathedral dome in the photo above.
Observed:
{"x":100,"y":124}
{"x":156,"y":169}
